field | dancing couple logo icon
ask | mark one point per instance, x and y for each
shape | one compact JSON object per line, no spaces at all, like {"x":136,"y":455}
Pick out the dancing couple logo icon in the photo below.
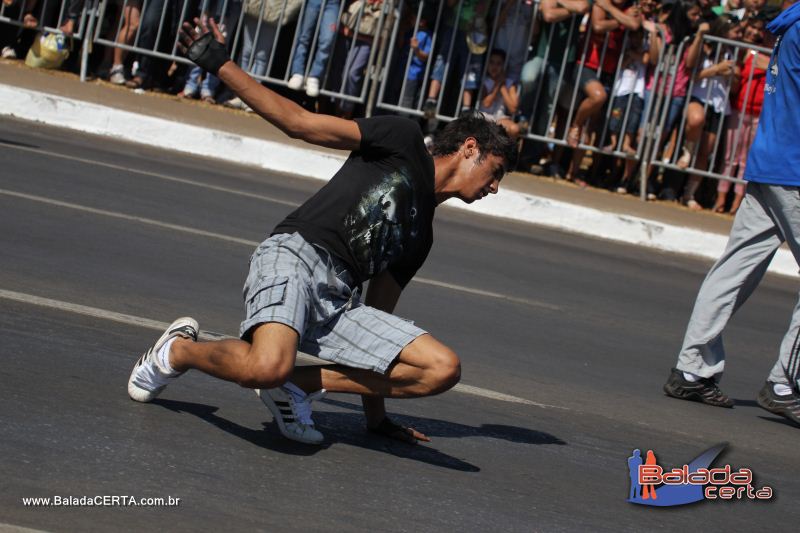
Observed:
{"x":654,"y":485}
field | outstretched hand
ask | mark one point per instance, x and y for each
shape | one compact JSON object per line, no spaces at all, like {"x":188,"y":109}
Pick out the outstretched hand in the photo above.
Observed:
{"x":204,"y":44}
{"x":190,"y":34}
{"x":389,"y":429}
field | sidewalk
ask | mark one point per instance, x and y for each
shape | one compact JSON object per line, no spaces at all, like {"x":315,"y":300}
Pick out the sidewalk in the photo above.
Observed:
{"x":60,"y":99}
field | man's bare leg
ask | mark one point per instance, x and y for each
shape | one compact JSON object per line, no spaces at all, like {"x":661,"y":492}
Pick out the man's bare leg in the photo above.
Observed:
{"x":266,"y":363}
{"x":423,"y":368}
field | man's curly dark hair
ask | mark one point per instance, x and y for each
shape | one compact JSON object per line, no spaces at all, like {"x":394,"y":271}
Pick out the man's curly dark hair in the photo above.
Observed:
{"x":490,"y":136}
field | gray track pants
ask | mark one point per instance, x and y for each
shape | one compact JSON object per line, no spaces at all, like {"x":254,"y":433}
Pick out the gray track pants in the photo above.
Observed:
{"x":768,"y":216}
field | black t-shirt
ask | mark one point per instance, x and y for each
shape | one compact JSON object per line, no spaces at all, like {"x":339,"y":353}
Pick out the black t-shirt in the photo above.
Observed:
{"x":376,"y":213}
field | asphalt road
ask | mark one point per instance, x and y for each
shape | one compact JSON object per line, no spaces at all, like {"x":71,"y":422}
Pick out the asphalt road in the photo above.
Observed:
{"x":580,"y":334}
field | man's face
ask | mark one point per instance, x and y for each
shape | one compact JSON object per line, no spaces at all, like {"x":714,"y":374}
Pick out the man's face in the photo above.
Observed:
{"x":479,"y":178}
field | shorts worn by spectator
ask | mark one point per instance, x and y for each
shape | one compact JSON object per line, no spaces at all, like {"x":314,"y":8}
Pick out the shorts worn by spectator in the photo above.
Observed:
{"x":766,"y":218}
{"x":371,"y":221}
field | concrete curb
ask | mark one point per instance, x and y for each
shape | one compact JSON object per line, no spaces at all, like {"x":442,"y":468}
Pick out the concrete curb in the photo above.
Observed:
{"x":94,"y":118}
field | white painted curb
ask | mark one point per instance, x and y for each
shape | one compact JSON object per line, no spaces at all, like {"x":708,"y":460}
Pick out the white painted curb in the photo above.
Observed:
{"x":93,"y":118}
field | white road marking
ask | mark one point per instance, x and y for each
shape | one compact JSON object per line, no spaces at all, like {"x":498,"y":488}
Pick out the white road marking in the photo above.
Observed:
{"x":481,"y":292}
{"x":158,"y":175}
{"x":253,"y":244}
{"x":156,"y":325}
{"x":122,"y":216}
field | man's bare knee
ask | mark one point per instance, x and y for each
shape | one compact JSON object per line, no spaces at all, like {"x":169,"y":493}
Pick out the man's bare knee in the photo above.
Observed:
{"x":444,"y":372}
{"x":266,"y":372}
{"x":271,"y":358}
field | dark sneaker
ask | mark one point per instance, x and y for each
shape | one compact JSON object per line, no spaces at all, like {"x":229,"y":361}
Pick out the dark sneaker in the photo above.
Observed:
{"x":787,"y":406}
{"x":429,"y":108}
{"x":703,"y":390}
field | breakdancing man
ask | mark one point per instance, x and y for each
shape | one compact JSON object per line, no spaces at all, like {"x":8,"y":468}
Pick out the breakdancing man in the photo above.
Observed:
{"x":371,"y":221}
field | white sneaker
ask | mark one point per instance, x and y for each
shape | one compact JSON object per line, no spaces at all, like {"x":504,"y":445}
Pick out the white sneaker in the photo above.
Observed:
{"x":9,"y":53}
{"x":149,"y":377}
{"x":312,"y":87}
{"x":235,"y":103}
{"x":117,"y":75}
{"x":291,"y":408}
{"x":295,"y":82}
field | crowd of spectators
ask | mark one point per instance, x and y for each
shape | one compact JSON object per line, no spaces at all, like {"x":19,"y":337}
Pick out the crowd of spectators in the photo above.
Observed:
{"x":582,"y":73}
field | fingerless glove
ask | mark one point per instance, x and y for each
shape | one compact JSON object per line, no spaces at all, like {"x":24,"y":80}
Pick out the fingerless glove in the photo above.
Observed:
{"x":208,"y":53}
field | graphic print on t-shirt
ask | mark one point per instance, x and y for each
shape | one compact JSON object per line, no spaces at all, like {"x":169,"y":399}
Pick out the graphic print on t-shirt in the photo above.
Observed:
{"x":382,"y":221}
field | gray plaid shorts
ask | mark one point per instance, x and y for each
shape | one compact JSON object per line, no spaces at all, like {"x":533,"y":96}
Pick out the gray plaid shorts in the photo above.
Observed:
{"x":295,"y":283}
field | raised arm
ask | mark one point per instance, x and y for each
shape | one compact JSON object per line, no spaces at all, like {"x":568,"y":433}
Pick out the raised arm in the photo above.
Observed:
{"x":206,"y":48}
{"x":558,"y":10}
{"x":630,"y":19}
{"x":693,"y":52}
{"x":654,"y":51}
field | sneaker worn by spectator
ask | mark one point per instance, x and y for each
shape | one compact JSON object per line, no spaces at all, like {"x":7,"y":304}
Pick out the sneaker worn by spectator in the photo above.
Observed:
{"x":117,"y":75}
{"x":786,"y":405}
{"x":237,"y":103}
{"x":429,"y":108}
{"x":312,"y":87}
{"x":295,"y":82}
{"x":9,"y":52}
{"x":291,"y":408}
{"x":152,"y":372}
{"x":704,"y":390}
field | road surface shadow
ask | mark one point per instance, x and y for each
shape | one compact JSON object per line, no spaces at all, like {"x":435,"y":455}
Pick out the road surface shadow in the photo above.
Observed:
{"x":445,"y":428}
{"x":780,"y":420}
{"x":268,"y":437}
{"x":344,"y":428}
{"x":745,"y":403}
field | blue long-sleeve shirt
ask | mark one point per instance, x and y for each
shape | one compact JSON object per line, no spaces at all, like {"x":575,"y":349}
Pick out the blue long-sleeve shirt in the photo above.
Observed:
{"x":775,"y":155}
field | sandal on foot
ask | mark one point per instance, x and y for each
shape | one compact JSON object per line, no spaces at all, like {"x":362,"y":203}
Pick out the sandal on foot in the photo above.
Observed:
{"x":134,"y":83}
{"x":693,"y":205}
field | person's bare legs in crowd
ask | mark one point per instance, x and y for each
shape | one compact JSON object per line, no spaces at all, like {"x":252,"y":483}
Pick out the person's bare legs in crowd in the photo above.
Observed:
{"x":595,"y":98}
{"x":695,"y":117}
{"x":127,"y":34}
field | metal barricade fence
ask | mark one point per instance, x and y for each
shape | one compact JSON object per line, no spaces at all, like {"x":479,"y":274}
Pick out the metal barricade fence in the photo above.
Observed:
{"x":456,"y":44}
{"x":254,"y":30}
{"x":551,"y":89}
{"x":699,"y":157}
{"x":50,"y":15}
{"x":450,"y":68}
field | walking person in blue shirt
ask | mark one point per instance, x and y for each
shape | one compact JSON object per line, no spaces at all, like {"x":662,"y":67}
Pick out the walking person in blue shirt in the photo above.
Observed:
{"x":769,"y":216}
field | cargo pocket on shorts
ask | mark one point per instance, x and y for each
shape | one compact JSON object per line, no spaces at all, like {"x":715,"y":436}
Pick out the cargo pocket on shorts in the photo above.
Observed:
{"x":271,"y":291}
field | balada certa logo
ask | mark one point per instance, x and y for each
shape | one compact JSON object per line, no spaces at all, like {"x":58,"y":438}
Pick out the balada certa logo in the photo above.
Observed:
{"x":654,"y":485}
